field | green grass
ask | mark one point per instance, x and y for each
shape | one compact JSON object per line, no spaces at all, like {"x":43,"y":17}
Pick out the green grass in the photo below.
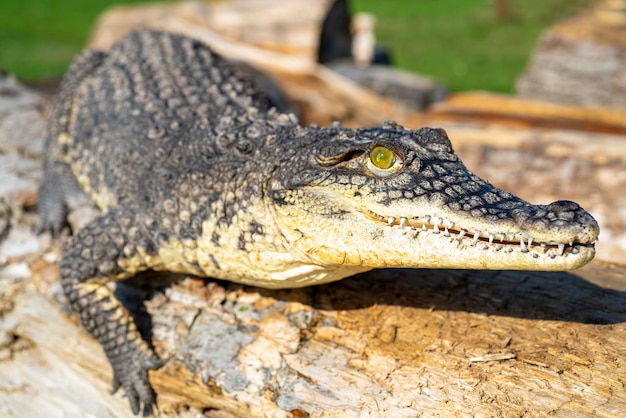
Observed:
{"x":460,"y":42}
{"x":39,"y":38}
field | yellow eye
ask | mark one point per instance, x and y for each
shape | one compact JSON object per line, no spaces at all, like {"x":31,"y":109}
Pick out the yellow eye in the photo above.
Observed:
{"x":382,"y":157}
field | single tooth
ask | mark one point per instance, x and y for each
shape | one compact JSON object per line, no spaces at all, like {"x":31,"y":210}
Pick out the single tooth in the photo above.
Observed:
{"x":491,"y":238}
{"x":511,"y":236}
{"x":476,"y":236}
{"x":521,"y":243}
{"x":390,"y":220}
{"x":402,"y":221}
{"x":575,"y":250}
{"x":435,"y":229}
{"x":423,"y":227}
{"x":571,"y":243}
{"x":462,"y":232}
{"x":502,"y":236}
{"x":381,"y":217}
{"x":446,"y":233}
{"x":561,"y":248}
{"x":530,"y":241}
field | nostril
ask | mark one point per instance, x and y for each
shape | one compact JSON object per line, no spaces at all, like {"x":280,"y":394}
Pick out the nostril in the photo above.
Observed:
{"x":563,"y":206}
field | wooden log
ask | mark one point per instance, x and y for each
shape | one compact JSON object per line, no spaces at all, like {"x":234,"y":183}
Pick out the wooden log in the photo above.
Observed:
{"x":385,"y":343}
{"x":581,"y":60}
{"x":492,"y":109}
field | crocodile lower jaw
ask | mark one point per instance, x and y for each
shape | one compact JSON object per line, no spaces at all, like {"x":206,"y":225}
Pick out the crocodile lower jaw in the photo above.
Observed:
{"x":506,"y":242}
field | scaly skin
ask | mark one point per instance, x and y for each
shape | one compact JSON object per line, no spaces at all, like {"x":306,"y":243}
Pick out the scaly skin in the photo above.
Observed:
{"x":195,"y":173}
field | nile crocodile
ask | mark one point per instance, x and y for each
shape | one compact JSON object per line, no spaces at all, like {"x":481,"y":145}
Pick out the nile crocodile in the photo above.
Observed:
{"x":194,"y":172}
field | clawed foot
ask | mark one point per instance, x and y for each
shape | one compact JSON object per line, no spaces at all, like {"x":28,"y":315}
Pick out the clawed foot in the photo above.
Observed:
{"x":130,"y":371}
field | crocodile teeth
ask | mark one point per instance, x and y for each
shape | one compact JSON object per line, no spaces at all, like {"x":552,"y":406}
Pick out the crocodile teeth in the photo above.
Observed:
{"x":440,"y":223}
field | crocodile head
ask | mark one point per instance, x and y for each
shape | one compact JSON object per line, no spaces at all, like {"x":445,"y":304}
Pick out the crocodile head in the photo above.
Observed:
{"x":393,"y":197}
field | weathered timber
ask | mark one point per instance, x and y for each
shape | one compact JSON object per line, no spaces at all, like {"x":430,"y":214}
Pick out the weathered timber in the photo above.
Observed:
{"x":492,"y":109}
{"x":581,"y":60}
{"x":389,"y":343}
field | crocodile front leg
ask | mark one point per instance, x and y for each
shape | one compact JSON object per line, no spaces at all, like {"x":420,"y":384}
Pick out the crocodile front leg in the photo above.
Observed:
{"x":91,"y":260}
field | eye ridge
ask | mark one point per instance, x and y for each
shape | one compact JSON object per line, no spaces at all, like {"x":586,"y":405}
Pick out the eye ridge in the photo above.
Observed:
{"x":382,"y":157}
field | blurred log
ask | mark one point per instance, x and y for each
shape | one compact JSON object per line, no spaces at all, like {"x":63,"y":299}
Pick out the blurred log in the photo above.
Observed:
{"x":582,"y":59}
{"x":515,"y":112}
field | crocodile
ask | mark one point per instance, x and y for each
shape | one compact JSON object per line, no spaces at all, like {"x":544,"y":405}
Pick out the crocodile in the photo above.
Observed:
{"x":196,"y":172}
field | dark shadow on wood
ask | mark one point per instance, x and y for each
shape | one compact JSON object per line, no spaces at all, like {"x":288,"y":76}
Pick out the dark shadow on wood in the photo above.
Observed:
{"x":556,"y":296}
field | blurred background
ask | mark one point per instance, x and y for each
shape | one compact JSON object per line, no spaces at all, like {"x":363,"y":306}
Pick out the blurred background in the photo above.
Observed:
{"x":467,"y":45}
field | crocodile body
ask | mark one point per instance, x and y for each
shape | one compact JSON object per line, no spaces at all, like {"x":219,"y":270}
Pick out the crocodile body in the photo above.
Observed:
{"x":195,"y":172}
